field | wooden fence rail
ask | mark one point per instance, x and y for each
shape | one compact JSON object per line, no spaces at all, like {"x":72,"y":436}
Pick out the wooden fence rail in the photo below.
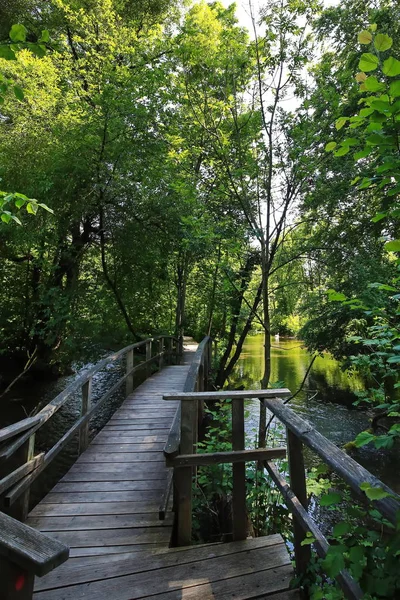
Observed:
{"x":299,"y":433}
{"x":24,"y":552}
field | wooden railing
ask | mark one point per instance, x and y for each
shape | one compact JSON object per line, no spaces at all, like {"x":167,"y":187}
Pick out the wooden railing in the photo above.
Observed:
{"x":182,"y":439}
{"x":299,"y":433}
{"x":20,"y":467}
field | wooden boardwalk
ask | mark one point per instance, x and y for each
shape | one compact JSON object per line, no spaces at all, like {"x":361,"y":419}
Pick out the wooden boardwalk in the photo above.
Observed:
{"x":106,"y":509}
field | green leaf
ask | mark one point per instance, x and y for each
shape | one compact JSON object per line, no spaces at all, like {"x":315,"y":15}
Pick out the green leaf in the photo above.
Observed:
{"x":37,"y":49}
{"x":341,"y":529}
{"x":364,"y":37}
{"x":383,"y":42}
{"x":362,"y":153}
{"x":330,"y":146}
{"x":393,"y":246}
{"x":350,"y":142}
{"x":45,"y":207}
{"x":32,"y":208}
{"x":330,"y":499}
{"x":368,"y":62}
{"x":373,"y":85}
{"x":373,"y":493}
{"x":45,"y":37}
{"x":334,"y":296}
{"x":6,"y":217}
{"x":378,"y":217}
{"x":363,"y":439}
{"x":19,"y":202}
{"x":394,"y":89}
{"x":341,"y":122}
{"x":7,"y":53}
{"x":18,"y":33}
{"x":333,"y":563}
{"x":342,"y":151}
{"x":19,"y":93}
{"x":391,"y":67}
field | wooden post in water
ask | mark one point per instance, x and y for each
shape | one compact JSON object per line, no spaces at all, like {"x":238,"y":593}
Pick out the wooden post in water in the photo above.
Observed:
{"x":86,"y":404}
{"x":183,"y":476}
{"x":129,"y":366}
{"x":161,"y":350}
{"x":299,"y":488}
{"x":148,"y":357}
{"x":239,"y":473}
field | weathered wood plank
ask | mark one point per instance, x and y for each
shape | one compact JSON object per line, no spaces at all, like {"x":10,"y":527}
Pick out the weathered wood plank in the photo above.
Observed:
{"x":93,"y":508}
{"x":94,"y":456}
{"x":237,"y":456}
{"x":16,"y":428}
{"x":178,"y":580}
{"x":113,"y":537}
{"x":114,"y":476}
{"x":155,"y":485}
{"x":189,"y":396}
{"x":20,"y":472}
{"x":345,"y":466}
{"x":167,"y":558}
{"x":87,"y":522}
{"x":29,"y":549}
{"x":107,"y":447}
{"x":78,"y":497}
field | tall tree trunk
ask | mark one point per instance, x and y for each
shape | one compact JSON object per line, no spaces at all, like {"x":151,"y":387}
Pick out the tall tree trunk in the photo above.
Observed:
{"x":110,"y":282}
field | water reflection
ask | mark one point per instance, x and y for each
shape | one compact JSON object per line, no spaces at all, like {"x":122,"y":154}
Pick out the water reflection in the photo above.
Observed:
{"x":326,"y":399}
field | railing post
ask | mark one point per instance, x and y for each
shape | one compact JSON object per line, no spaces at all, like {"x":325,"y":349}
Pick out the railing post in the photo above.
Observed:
{"x":299,"y":488}
{"x":183,"y":476}
{"x":239,"y":473}
{"x":180,"y":348}
{"x":129,"y":366}
{"x":160,"y":351}
{"x":16,"y":583}
{"x":86,"y":404}
{"x":20,"y":508}
{"x":148,"y":357}
{"x":168,"y":349}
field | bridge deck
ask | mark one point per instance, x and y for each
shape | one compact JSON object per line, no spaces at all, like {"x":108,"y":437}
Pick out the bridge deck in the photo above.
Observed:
{"x":106,"y":509}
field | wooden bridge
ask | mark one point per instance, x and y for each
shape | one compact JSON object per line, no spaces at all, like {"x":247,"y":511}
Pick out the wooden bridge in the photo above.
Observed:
{"x":118,"y":525}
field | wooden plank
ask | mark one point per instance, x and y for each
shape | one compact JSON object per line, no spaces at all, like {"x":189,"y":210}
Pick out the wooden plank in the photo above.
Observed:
{"x":113,"y":438}
{"x":148,"y":427}
{"x":180,"y":581}
{"x":245,"y":394}
{"x":84,"y":523}
{"x":129,"y":366}
{"x":114,"y":476}
{"x":240,"y":588}
{"x":94,"y":456}
{"x":345,"y":466}
{"x":113,"y":537}
{"x":155,"y":485}
{"x":239,"y":510}
{"x":237,"y":456}
{"x":106,"y":551}
{"x":19,"y":506}
{"x":131,"y":496}
{"x":132,"y":448}
{"x":161,"y":559}
{"x":29,"y":549}
{"x":93,"y":508}
{"x":101,"y":467}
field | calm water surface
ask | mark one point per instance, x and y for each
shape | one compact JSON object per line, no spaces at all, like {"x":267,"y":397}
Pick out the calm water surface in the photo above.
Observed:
{"x":326,"y":399}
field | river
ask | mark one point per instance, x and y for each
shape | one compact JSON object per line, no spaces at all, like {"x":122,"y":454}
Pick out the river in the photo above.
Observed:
{"x":326,"y":400}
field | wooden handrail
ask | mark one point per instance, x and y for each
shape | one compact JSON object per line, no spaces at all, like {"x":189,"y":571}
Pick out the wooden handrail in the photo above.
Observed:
{"x":24,"y":553}
{"x":30,"y":467}
{"x":343,"y":464}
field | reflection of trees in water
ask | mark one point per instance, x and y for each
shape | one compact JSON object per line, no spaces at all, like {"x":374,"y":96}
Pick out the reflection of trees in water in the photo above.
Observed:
{"x":317,"y":382}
